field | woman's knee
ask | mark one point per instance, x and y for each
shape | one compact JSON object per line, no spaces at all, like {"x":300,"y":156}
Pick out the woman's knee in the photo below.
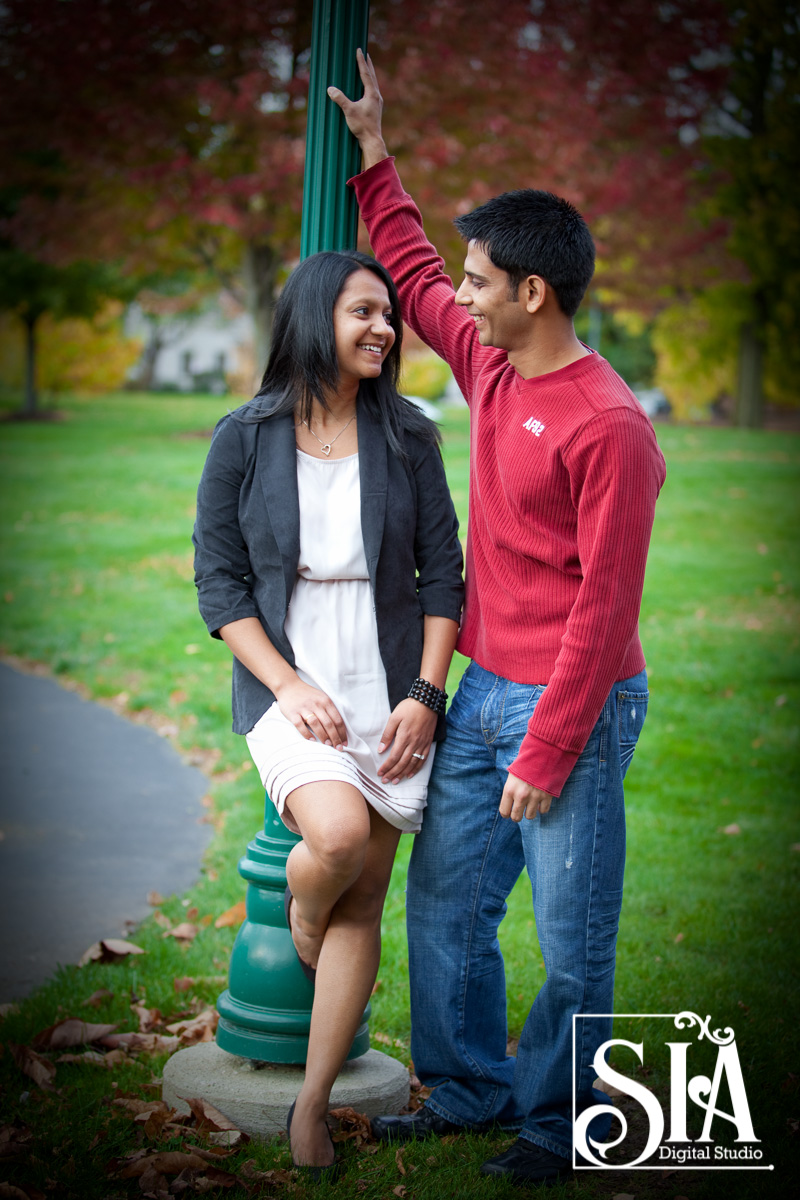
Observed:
{"x":341,"y":847}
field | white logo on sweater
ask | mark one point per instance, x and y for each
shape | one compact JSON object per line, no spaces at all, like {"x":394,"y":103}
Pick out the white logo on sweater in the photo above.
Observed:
{"x":534,"y":426}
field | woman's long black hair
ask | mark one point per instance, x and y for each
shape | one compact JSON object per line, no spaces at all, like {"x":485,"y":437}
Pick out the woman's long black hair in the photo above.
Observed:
{"x":303,"y":364}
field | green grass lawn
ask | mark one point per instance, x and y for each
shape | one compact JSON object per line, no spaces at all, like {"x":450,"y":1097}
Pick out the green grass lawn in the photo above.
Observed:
{"x":97,"y":585}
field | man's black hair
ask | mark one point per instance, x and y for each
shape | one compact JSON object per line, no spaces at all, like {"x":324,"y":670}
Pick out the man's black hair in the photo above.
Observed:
{"x":531,"y":232}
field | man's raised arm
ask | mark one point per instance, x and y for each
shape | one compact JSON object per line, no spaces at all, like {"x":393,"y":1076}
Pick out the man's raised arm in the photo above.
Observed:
{"x":398,"y":238}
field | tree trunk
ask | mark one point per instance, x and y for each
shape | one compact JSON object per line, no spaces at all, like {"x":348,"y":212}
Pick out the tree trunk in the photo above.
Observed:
{"x":31,"y":406}
{"x":261,"y":266}
{"x":750,"y":392}
{"x":147,"y":371}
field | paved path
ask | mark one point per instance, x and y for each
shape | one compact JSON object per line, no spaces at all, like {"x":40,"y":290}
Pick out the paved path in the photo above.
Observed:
{"x":95,"y":812}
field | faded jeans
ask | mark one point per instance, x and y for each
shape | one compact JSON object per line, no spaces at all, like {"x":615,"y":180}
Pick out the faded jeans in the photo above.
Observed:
{"x":464,"y":864}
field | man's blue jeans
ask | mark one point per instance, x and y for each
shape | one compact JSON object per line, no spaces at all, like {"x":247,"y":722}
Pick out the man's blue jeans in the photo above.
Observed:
{"x":465,"y":862}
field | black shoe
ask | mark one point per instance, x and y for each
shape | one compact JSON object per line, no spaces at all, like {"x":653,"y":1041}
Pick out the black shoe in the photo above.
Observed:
{"x":525,"y":1162}
{"x":420,"y":1124}
{"x":331,"y":1173}
{"x":309,"y":971}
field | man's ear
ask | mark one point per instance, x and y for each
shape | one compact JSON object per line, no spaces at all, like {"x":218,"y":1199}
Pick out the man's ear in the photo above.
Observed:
{"x":533,"y":292}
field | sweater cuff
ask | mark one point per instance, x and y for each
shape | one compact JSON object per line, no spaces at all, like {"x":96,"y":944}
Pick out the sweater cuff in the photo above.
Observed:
{"x":542,"y":765}
{"x":377,"y":186}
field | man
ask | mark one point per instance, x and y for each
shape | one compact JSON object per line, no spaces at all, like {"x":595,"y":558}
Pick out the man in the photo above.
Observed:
{"x":564,"y":474}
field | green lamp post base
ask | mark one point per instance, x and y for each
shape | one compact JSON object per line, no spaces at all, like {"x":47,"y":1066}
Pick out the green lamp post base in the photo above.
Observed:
{"x":265,"y":1012}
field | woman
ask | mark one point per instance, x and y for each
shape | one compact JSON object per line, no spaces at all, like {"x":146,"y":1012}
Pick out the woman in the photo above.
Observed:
{"x":327,"y":559}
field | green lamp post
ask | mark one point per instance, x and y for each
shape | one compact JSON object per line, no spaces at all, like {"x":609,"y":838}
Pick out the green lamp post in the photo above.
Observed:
{"x":265,"y":1011}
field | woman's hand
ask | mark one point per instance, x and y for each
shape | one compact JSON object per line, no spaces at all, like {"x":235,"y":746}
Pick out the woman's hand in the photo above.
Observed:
{"x":313,"y":714}
{"x":409,"y":731}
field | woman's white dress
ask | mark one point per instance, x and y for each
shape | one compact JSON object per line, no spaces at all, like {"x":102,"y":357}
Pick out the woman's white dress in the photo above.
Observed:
{"x":332,"y":629}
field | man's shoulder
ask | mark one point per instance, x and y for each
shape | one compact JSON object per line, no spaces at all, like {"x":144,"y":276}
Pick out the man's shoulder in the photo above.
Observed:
{"x":603,"y":389}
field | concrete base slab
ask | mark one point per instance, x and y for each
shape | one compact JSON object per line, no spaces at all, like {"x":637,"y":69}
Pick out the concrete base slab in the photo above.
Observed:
{"x":256,"y":1096}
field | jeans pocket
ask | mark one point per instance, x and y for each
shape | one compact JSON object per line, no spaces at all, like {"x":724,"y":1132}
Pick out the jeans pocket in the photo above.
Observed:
{"x":631,"y":712}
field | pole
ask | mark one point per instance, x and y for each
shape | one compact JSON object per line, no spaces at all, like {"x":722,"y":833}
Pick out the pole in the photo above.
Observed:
{"x":265,"y":1012}
{"x":330,"y":215}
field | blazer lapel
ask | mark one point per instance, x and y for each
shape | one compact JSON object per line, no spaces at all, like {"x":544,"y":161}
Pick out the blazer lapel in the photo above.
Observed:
{"x":374,"y":476}
{"x":277,"y":468}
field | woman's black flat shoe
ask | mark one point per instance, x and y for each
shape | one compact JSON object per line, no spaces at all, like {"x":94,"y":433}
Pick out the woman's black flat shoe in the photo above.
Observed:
{"x":331,"y":1173}
{"x":309,"y":971}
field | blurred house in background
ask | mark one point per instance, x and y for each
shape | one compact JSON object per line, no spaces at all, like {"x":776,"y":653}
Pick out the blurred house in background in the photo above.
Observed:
{"x":208,"y":349}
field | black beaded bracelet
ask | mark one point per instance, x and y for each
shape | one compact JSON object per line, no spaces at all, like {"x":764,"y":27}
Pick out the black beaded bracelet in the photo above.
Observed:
{"x":432,"y":697}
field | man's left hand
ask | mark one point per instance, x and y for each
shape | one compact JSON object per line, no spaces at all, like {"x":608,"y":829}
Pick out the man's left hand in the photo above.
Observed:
{"x":520,"y":800}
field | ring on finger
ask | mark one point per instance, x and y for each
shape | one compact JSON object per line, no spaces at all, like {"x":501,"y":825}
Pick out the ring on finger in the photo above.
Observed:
{"x":308,"y":717}
{"x":421,"y":757}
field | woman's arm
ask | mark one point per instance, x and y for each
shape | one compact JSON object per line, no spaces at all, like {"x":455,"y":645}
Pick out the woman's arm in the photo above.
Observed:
{"x":412,"y":725}
{"x":312,"y":713}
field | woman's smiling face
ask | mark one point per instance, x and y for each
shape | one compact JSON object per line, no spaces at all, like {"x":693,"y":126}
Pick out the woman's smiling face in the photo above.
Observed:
{"x":362,"y":327}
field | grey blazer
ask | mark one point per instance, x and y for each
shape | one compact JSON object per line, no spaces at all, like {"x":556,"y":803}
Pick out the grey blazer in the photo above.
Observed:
{"x":247,"y":544}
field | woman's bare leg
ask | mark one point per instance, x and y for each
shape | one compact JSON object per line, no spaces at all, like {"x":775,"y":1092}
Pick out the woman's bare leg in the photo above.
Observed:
{"x":334,"y":823}
{"x":347,"y":961}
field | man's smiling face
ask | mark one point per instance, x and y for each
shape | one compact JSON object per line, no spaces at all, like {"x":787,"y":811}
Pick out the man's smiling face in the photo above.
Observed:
{"x":501,"y":317}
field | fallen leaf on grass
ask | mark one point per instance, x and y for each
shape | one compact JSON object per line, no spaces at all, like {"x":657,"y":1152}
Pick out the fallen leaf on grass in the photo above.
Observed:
{"x":98,"y":998}
{"x":89,"y":1056}
{"x":233,"y":916}
{"x":350,"y":1126}
{"x":116,"y":1058}
{"x":14,"y":1141}
{"x":166,"y":1162}
{"x":185,"y":932}
{"x":184,"y":984}
{"x":212,"y":1155}
{"x":229,"y":1138}
{"x":201,"y":1029}
{"x":399,"y":1190}
{"x":154,"y":899}
{"x":153,"y":1122}
{"x":679,"y":937}
{"x":133,"y":1104}
{"x":71,"y":1032}
{"x":253,"y":1174}
{"x":194,"y":1182}
{"x":109,"y":950}
{"x":154,"y":1186}
{"x":147,"y":1043}
{"x":39,"y":1069}
{"x":731,"y":829}
{"x":208,"y":1117}
{"x":148,"y":1017}
{"x":398,"y":1158}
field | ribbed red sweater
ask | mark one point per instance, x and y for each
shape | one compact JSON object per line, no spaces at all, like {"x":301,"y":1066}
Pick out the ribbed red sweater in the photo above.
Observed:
{"x":564,"y":474}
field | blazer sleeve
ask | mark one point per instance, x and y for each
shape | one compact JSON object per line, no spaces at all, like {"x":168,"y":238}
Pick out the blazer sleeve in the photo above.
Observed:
{"x":437,"y":550}
{"x":221,"y":561}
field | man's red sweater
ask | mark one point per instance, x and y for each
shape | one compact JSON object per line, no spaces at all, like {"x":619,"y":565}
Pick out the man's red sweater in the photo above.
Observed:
{"x":564,"y":474}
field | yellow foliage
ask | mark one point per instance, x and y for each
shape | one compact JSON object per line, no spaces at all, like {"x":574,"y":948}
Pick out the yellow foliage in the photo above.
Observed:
{"x":73,"y":355}
{"x":424,"y":374}
{"x":696,"y":347}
